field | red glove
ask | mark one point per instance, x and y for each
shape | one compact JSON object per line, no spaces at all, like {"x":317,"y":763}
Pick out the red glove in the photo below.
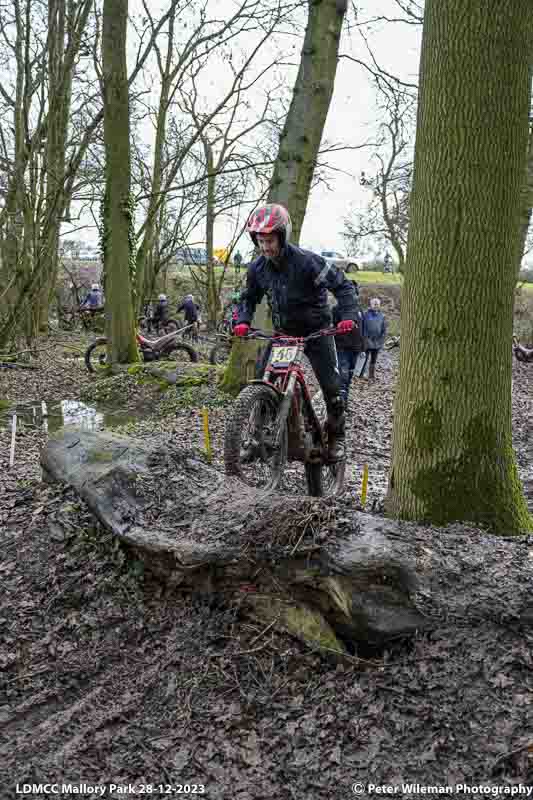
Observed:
{"x":345,"y":326}
{"x":241,"y":329}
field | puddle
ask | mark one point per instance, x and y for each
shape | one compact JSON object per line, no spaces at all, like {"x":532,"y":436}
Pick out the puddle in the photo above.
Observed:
{"x":67,"y":413}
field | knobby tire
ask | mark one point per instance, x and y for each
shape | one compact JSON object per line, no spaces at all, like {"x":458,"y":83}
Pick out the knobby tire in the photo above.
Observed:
{"x":90,"y":350}
{"x":248,"y":399}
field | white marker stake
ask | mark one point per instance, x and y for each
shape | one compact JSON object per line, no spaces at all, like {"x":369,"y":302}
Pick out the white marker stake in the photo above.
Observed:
{"x":13,"y":435}
{"x":45,"y":416}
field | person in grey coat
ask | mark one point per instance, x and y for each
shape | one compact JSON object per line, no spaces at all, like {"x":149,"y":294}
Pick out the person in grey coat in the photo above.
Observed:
{"x":374,"y":332}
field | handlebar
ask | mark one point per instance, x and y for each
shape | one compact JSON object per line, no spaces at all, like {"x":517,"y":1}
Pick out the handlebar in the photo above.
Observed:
{"x":287,"y":338}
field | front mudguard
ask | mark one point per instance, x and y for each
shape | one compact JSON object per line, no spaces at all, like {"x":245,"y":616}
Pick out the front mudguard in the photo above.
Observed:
{"x":261,"y":382}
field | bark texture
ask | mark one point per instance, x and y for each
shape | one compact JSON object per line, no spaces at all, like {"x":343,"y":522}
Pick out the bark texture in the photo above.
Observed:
{"x":452,"y":452}
{"x":304,"y":125}
{"x":119,"y":257}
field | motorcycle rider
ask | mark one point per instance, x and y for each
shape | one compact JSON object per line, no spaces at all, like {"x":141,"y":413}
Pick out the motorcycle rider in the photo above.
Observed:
{"x":190,"y":309}
{"x":161,"y":311}
{"x":296,"y":283}
{"x":191,"y":312}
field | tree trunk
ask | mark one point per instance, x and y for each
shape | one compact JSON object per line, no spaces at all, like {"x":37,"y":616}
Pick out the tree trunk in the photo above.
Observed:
{"x":118,"y":243}
{"x":304,"y":125}
{"x":57,"y":129}
{"x":245,"y":355}
{"x":299,"y":146}
{"x":452,"y":451}
{"x":11,"y":256}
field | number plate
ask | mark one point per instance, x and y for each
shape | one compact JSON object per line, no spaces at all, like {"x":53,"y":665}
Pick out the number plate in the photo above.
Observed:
{"x":283,"y":355}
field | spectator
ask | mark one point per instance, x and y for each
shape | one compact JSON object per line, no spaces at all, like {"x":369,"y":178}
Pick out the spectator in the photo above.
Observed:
{"x":374,"y":332}
{"x":161,"y":310}
{"x":237,"y":261}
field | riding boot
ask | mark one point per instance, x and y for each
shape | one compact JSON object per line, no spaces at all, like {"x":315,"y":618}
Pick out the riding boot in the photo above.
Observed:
{"x":336,"y":437}
{"x":372,"y":372}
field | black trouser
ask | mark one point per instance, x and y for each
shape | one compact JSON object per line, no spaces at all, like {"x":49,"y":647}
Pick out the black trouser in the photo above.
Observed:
{"x":373,"y":358}
{"x":347,"y":361}
{"x":322,"y":354}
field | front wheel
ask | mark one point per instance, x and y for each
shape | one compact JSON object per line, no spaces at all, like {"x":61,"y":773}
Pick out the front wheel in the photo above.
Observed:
{"x":96,"y":356}
{"x":255,"y":449}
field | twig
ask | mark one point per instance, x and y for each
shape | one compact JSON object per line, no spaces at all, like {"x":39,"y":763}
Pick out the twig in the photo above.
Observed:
{"x":247,"y":652}
{"x":262,"y":633}
{"x":29,"y":674}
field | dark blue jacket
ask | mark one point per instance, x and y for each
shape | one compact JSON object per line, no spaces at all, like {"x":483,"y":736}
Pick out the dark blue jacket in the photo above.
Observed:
{"x":297,"y":292}
{"x":190,"y":310}
{"x":374,"y":329}
{"x":161,"y":311}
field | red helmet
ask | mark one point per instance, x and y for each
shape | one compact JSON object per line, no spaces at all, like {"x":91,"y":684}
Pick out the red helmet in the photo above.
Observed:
{"x":267,"y":219}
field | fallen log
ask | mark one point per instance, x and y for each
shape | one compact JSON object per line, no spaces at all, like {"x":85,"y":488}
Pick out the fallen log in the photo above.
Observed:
{"x":314,"y":567}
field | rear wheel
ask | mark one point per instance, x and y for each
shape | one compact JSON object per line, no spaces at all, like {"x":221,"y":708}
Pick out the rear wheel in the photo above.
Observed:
{"x":96,"y":356}
{"x":325,"y":480}
{"x":255,"y":449}
{"x":170,"y":326}
{"x":181,"y":350}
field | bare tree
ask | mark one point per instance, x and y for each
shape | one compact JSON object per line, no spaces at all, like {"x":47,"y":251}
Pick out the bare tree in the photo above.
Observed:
{"x":179,"y":68}
{"x":38,"y":192}
{"x":230,"y":148}
{"x":119,"y":236}
{"x":386,"y":219}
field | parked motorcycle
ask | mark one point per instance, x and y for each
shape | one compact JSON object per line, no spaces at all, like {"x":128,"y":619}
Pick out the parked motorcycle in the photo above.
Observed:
{"x":164,"y":347}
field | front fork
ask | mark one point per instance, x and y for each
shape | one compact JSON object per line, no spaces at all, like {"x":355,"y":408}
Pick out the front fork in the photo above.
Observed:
{"x":311,"y":449}
{"x":284,"y":409}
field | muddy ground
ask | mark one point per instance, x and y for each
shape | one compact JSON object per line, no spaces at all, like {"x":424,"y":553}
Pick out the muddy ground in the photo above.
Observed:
{"x":107,"y":677}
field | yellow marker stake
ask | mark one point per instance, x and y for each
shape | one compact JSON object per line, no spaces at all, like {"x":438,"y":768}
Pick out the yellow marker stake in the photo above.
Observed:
{"x":364,"y":485}
{"x":207,"y":437}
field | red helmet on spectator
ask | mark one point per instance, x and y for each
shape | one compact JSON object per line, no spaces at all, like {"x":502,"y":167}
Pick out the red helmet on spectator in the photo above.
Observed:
{"x":270,"y":219}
